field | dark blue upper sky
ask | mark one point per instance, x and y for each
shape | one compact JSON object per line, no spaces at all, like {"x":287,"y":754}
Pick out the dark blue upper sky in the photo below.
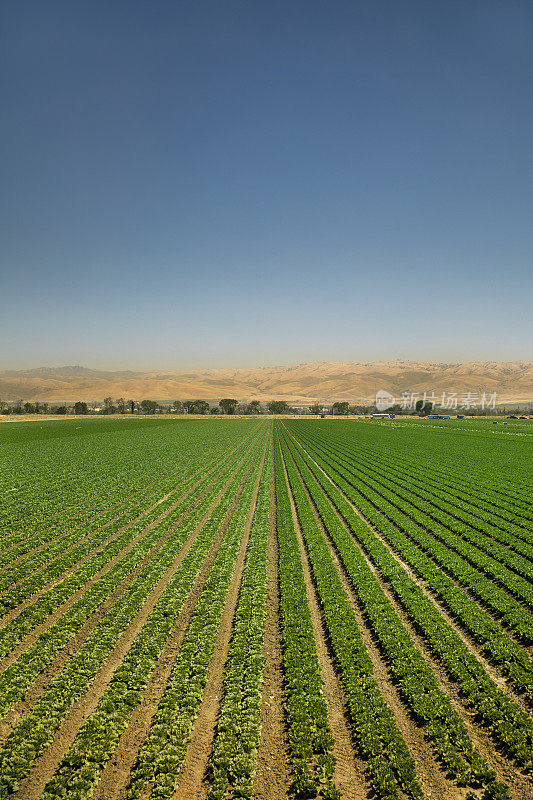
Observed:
{"x":217,"y":183}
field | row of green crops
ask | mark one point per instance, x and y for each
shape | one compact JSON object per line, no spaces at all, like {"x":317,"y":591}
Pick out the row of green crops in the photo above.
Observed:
{"x":36,"y":550}
{"x":51,"y":599}
{"x":309,"y":733}
{"x":445,"y":527}
{"x":157,"y":766}
{"x":103,"y":543}
{"x":158,"y":481}
{"x":232,"y":765}
{"x":456,"y":510}
{"x":484,"y":471}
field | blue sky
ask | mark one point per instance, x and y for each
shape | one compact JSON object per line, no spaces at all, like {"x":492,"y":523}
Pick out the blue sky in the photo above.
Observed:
{"x":199,"y":184}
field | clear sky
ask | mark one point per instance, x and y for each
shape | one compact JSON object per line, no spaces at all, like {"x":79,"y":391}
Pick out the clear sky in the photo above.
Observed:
{"x":201,"y":183}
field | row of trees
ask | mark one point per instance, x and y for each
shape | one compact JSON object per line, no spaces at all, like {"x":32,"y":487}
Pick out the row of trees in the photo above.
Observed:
{"x":227,"y":405}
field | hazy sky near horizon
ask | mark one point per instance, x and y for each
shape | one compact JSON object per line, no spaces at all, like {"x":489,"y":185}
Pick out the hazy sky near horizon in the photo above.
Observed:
{"x":234,"y":183}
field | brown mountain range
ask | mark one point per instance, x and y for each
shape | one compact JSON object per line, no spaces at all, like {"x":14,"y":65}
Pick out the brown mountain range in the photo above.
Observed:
{"x":355,"y":381}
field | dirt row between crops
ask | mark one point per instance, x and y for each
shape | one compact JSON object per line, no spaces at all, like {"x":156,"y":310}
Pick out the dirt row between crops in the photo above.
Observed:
{"x":273,"y":776}
{"x":490,"y":612}
{"x":38,"y":687}
{"x":520,"y":785}
{"x":46,"y":764}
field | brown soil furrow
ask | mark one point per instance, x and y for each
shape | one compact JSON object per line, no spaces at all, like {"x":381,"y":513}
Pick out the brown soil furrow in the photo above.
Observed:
{"x":31,"y":696}
{"x":469,"y":642}
{"x":519,"y":784}
{"x":30,"y":600}
{"x":349,"y":776}
{"x":273,"y":776}
{"x":46,"y":764}
{"x":191,"y":777}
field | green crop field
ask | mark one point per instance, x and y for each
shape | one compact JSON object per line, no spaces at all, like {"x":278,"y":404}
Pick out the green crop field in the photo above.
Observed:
{"x":260,"y":608}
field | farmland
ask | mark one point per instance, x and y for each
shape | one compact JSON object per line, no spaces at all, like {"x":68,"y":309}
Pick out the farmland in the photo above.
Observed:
{"x":266,"y":608}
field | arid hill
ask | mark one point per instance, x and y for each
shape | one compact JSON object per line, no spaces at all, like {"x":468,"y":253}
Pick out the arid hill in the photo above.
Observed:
{"x":355,"y":381}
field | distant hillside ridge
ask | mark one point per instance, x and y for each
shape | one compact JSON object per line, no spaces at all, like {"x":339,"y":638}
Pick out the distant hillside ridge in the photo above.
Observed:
{"x":327,"y":381}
